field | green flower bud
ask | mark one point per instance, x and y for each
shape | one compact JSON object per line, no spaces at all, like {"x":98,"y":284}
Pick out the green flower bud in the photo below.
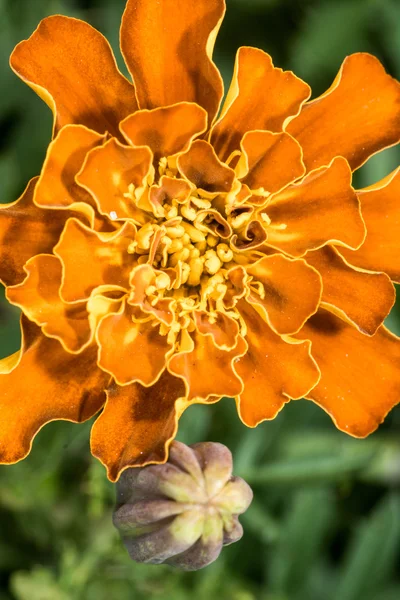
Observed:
{"x":182,"y":512}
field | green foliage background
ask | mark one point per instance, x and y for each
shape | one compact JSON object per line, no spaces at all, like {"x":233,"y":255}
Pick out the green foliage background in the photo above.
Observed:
{"x":325,"y":522}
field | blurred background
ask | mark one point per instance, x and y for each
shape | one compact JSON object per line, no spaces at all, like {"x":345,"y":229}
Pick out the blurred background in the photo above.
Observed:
{"x":325,"y":521}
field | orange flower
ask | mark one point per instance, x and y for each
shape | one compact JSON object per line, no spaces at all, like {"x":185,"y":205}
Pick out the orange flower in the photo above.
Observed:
{"x":170,"y":254}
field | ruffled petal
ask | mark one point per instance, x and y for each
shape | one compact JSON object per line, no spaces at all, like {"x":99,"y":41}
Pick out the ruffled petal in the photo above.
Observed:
{"x":108,"y":172}
{"x":38,"y":296}
{"x":380,"y":207}
{"x":70,"y":65}
{"x":260,"y":97}
{"x":167,"y":130}
{"x":46,"y":384}
{"x":269,"y":160}
{"x":364,"y":298}
{"x":132,"y":350}
{"x":57,"y":187}
{"x":168,"y":51}
{"x":358,"y":116}
{"x":206,"y":369}
{"x":288,"y":290}
{"x":360,"y":375}
{"x":91,"y":259}
{"x":322,"y":208}
{"x":223,"y":329}
{"x":27,"y":230}
{"x":201,"y":166}
{"x":137,"y":424}
{"x":274,"y":370}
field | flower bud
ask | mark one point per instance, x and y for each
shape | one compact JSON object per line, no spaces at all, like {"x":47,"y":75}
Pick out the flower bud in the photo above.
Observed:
{"x":182,"y":512}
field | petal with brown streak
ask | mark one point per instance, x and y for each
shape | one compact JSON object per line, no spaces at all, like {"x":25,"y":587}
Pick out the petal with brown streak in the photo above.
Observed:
{"x":260,"y":97}
{"x":223,"y":329}
{"x":201,"y":166}
{"x":26,"y":230}
{"x":207,"y":370}
{"x":91,"y":259}
{"x":269,"y":160}
{"x":46,"y":384}
{"x":360,"y":375}
{"x":290,"y":291}
{"x":137,"y":424}
{"x":380,"y":207}
{"x":167,"y":130}
{"x":70,"y":65}
{"x":356,"y":117}
{"x":57,"y":187}
{"x":38,"y":296}
{"x":322,"y":208}
{"x":168,"y":51}
{"x":365,"y":298}
{"x":273,"y":370}
{"x":108,"y":172}
{"x":132,"y":351}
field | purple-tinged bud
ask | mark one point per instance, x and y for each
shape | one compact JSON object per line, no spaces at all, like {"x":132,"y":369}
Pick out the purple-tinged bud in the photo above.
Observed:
{"x":182,"y":512}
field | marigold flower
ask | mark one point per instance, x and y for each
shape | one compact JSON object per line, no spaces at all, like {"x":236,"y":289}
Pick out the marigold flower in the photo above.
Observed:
{"x":170,"y":254}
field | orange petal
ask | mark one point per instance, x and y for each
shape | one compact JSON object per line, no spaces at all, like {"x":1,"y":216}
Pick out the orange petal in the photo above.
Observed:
{"x":356,"y":117}
{"x":57,"y":187}
{"x":46,"y":384}
{"x":38,"y":296}
{"x":169,"y":50}
{"x":91,"y":259}
{"x":71,"y":67}
{"x":169,"y":189}
{"x":360,"y":381}
{"x":201,"y":166}
{"x":269,"y":160}
{"x":290,"y":291}
{"x":260,"y":97}
{"x":274,"y":370}
{"x":365,"y":298}
{"x":137,"y":424}
{"x":207,"y":370}
{"x":107,"y":173}
{"x":223,"y":329}
{"x":166,"y":130}
{"x":380,"y":208}
{"x":26,"y":230}
{"x":132,"y":351}
{"x":321,"y":208}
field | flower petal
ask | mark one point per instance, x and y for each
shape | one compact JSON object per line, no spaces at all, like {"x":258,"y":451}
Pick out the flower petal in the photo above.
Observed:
{"x":380,"y":208}
{"x":46,"y":384}
{"x":201,"y":166}
{"x":108,"y":172}
{"x":70,"y":65}
{"x":91,"y":259}
{"x":38,"y":296}
{"x":365,"y":298}
{"x":223,"y":329}
{"x":360,"y":375}
{"x":57,"y":187}
{"x":269,"y":160}
{"x":168,"y":51}
{"x":290,"y":291}
{"x":132,"y":351}
{"x":167,"y":130}
{"x":274,"y":370}
{"x":322,"y":208}
{"x":207,"y":370}
{"x":356,"y":117}
{"x":260,"y":97}
{"x":137,"y":424}
{"x":26,"y":230}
